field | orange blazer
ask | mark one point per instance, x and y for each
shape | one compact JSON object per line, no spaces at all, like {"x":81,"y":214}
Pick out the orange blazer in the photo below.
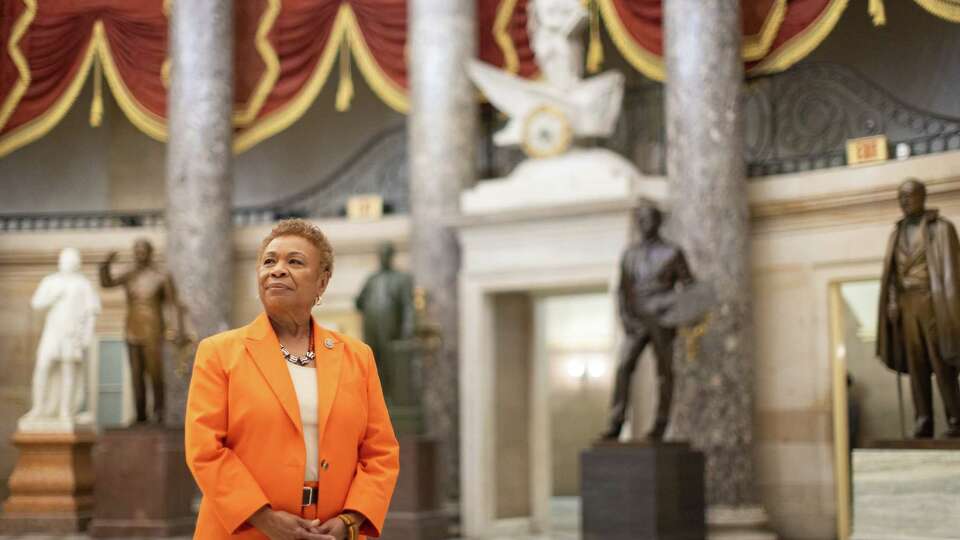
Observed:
{"x":244,"y":437}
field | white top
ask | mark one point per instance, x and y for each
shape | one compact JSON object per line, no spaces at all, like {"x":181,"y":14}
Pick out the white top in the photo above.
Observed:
{"x":305,"y":384}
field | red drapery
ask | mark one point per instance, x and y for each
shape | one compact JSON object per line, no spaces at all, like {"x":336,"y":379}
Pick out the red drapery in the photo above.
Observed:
{"x":284,"y":53}
{"x":286,"y":50}
{"x":777,"y":33}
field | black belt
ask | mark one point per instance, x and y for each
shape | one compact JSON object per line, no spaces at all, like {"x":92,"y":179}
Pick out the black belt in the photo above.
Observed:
{"x":309,"y":496}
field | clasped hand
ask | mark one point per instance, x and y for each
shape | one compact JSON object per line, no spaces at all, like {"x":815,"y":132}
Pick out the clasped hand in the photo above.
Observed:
{"x":280,"y":525}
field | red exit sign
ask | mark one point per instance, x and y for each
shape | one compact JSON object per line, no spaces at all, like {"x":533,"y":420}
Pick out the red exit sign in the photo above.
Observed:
{"x":867,"y":150}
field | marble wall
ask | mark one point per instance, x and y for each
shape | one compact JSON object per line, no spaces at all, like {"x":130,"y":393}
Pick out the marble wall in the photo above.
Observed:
{"x":810,"y":232}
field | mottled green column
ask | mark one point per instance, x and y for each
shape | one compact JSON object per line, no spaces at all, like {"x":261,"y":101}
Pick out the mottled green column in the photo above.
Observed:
{"x":442,"y":131}
{"x":710,"y":219}
{"x":199,"y":168}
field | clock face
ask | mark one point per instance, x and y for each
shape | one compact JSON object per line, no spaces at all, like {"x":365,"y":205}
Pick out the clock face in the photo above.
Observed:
{"x":546,"y":132}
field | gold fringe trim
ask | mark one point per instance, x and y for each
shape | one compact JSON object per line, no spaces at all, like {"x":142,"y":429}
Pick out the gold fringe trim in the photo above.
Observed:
{"x":511,"y":60}
{"x":282,"y":118}
{"x":945,"y":9}
{"x":42,"y":124}
{"x":165,"y":68}
{"x":23,"y":68}
{"x":271,"y":64}
{"x":345,"y":87}
{"x":595,"y":48}
{"x":877,"y":12}
{"x":151,"y":124}
{"x":803,"y":43}
{"x":757,"y":46}
{"x":96,"y":107}
{"x":391,"y":93}
{"x":345,"y":33}
{"x":646,"y":62}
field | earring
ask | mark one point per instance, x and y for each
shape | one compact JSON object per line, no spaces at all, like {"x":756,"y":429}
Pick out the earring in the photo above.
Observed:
{"x":319,"y":301}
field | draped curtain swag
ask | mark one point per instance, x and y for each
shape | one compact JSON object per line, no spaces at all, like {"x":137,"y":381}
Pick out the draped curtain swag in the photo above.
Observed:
{"x":285,"y":52}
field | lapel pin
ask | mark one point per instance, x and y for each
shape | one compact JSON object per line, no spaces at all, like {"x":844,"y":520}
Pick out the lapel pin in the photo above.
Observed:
{"x":328,"y":343}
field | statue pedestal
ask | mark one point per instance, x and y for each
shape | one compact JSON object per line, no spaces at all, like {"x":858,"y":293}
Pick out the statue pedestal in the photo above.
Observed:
{"x":591,"y":175}
{"x":415,"y":512}
{"x":908,"y":490}
{"x":51,"y":488}
{"x":143,"y":485}
{"x":642,"y":490}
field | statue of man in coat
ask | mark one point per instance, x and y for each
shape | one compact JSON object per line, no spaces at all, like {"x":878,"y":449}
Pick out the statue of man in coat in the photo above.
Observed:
{"x":652,"y":272}
{"x":919,"y":324}
{"x":386,"y":302}
{"x":59,"y":378}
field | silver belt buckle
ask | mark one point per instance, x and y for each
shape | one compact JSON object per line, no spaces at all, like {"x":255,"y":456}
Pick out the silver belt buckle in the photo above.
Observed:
{"x":309,"y":496}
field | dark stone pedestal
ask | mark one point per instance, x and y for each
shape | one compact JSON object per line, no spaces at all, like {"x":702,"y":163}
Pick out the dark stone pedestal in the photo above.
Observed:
{"x":415,"y":512}
{"x":143,"y":485}
{"x":51,"y":485}
{"x":639,"y":491}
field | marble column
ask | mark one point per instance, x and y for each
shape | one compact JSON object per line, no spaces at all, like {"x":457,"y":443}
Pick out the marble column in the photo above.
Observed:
{"x":442,"y":133}
{"x":199,"y":169}
{"x":710,"y":219}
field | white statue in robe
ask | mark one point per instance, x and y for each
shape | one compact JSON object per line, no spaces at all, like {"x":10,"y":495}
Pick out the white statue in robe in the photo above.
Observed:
{"x":583,"y":107}
{"x":551,"y":117}
{"x":59,"y":377}
{"x":555,"y":27}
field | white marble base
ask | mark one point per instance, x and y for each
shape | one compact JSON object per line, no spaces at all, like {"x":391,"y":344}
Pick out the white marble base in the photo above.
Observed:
{"x":738,"y":523}
{"x":581,"y":175}
{"x":906,"y":494}
{"x":83,"y":422}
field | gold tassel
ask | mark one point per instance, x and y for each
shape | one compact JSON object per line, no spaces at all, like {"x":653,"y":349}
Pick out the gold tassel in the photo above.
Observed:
{"x":96,"y":108}
{"x":345,"y":89}
{"x":878,"y":12}
{"x":595,"y":48}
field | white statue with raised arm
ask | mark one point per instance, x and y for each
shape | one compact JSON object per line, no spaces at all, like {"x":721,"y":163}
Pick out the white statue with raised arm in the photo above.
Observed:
{"x":547,"y":116}
{"x":555,"y":119}
{"x":59,"y":378}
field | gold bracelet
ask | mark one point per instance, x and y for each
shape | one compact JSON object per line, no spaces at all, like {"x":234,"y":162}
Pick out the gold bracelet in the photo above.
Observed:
{"x":352,"y":526}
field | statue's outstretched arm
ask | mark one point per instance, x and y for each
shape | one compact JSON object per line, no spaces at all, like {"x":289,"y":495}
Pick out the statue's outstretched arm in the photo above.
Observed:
{"x":106,"y":276}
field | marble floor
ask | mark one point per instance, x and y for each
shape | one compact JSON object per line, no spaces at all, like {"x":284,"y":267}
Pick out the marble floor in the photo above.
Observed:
{"x":565,"y":512}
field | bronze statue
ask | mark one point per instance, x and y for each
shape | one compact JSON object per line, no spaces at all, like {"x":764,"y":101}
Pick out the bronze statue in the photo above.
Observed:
{"x":149,"y":289}
{"x":650,"y":271}
{"x":386,"y":302}
{"x":919,"y":323}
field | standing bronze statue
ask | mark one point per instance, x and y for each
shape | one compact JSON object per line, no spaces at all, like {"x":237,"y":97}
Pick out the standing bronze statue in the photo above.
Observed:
{"x":148,"y":289}
{"x":650,"y":272}
{"x":919,"y":324}
{"x":386,"y":302}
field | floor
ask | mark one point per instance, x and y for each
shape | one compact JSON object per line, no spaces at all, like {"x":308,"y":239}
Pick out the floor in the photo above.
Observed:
{"x":565,"y":512}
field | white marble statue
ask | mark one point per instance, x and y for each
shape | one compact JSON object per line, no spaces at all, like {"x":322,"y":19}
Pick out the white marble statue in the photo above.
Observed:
{"x":555,"y":27}
{"x":547,"y":115}
{"x":59,"y":378}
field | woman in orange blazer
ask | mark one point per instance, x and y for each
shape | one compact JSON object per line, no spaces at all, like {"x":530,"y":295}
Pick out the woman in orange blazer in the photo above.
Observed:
{"x":287,"y":433}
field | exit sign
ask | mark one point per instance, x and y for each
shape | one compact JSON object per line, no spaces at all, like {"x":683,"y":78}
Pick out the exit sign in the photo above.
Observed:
{"x":867,"y":150}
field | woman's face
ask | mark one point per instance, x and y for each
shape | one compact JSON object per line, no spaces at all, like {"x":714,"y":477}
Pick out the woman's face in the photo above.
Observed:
{"x":289,"y":275}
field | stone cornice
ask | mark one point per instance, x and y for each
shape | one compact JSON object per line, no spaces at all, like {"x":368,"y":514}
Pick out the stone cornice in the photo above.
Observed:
{"x":43,"y":247}
{"x":883,"y":196}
